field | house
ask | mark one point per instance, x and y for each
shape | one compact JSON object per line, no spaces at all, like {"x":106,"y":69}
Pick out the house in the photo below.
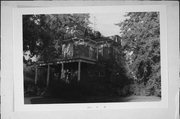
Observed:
{"x":78,"y":60}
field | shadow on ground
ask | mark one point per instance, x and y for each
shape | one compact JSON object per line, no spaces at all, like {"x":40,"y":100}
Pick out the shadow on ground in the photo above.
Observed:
{"x":49,"y":100}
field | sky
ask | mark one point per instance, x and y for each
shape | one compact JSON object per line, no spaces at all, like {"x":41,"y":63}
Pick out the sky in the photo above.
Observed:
{"x":105,"y":22}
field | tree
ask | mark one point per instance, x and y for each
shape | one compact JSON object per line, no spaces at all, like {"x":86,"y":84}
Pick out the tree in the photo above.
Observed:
{"x":43,"y":34}
{"x":140,"y":34}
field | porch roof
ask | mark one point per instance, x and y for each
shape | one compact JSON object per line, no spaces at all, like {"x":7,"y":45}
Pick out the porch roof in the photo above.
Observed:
{"x":60,"y":61}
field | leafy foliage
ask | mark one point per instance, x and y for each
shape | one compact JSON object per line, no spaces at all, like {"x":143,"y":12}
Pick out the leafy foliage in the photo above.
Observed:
{"x":43,"y":34}
{"x":135,"y":60}
{"x":140,"y":34}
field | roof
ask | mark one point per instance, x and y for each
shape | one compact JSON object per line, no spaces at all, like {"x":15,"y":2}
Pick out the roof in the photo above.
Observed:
{"x":80,"y":40}
{"x":88,"y":40}
{"x":60,"y":61}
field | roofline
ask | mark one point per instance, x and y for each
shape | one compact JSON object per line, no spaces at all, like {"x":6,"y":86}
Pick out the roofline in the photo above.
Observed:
{"x":60,"y":61}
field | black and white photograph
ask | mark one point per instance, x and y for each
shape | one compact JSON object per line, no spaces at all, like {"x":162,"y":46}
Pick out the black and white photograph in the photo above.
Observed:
{"x":91,"y":57}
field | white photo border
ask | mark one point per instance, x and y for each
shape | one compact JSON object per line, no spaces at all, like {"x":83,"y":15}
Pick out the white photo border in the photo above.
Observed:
{"x":18,"y":60}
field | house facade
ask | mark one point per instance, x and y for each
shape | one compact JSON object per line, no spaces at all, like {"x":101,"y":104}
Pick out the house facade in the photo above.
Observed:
{"x":78,"y":61}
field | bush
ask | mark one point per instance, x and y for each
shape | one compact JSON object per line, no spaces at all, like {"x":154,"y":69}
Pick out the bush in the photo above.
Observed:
{"x":29,"y":87}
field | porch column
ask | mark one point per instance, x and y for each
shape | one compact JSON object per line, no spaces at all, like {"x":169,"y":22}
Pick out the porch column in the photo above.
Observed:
{"x":36,"y":75}
{"x":97,"y":53}
{"x":62,"y":68}
{"x":79,"y":70}
{"x":62,"y":71}
{"x":48,"y":74}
